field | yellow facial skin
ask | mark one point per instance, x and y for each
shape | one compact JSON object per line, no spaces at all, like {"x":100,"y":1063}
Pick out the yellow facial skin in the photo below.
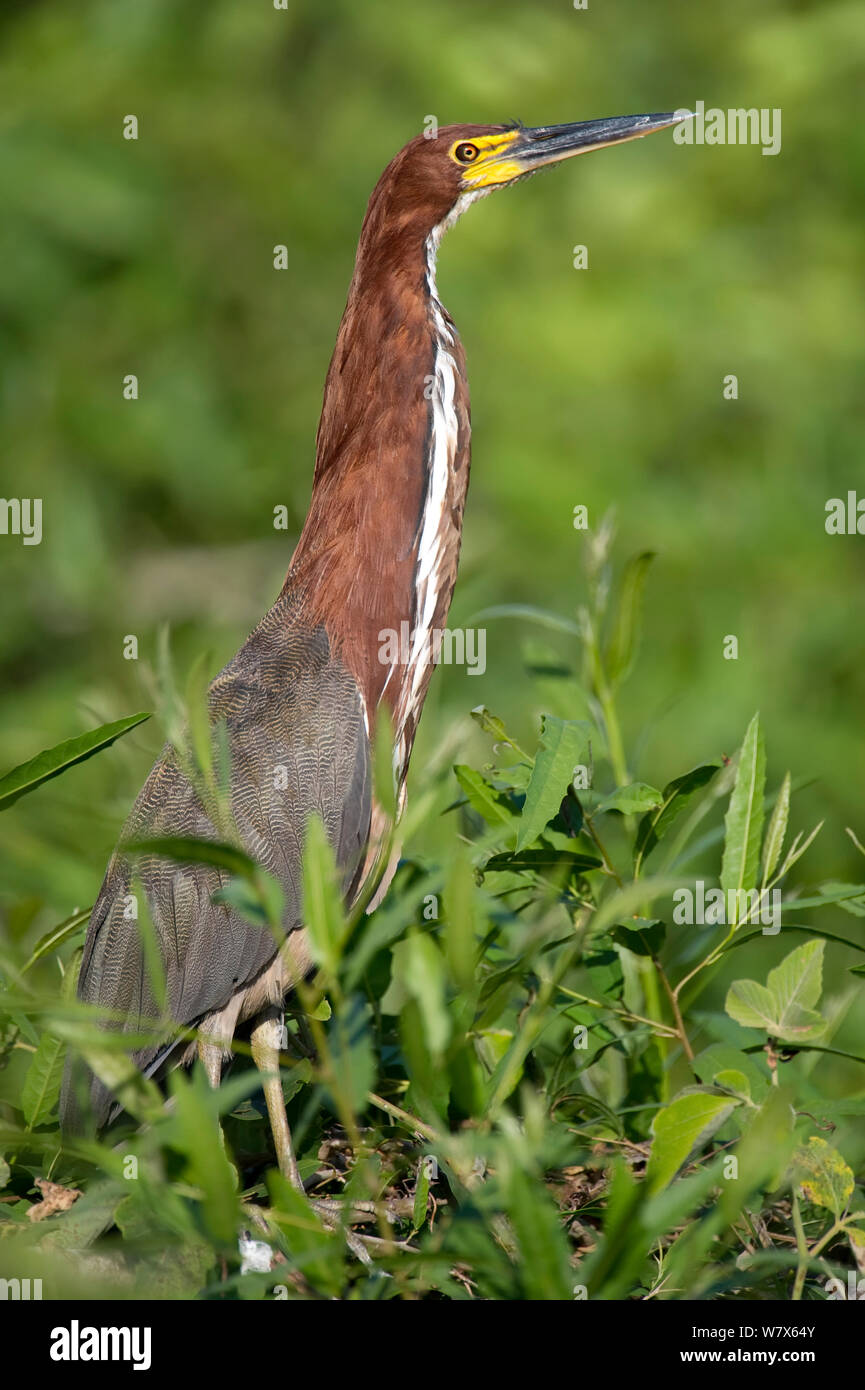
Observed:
{"x":492,"y":165}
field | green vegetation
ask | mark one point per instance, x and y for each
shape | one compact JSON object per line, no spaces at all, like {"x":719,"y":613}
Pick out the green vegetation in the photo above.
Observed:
{"x":528,"y":906}
{"x":510,"y":1074}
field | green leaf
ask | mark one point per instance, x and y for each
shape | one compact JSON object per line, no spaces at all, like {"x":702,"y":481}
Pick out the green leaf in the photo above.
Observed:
{"x":642,"y":935}
{"x":733,"y":1080}
{"x":260,"y":902}
{"x":56,"y":936}
{"x":461,"y":920}
{"x":322,"y":1011}
{"x":845,"y":896}
{"x":89,"y":1218}
{"x":751,"y":1004}
{"x":312,"y":1248}
{"x":676,"y":795}
{"x":198,"y":715}
{"x":324,"y":915}
{"x":824,"y":1177}
{"x":490,"y":723}
{"x":41,"y":1088}
{"x":564,"y":745}
{"x":538,"y":859}
{"x":418,"y":970}
{"x":722,"y":1057}
{"x":421,"y":1194}
{"x":196,"y":1135}
{"x":744,"y":820}
{"x":384,"y":785}
{"x":633,"y":799}
{"x":536,"y":615}
{"x":543,"y":1263}
{"x":491,"y":804}
{"x":352,"y":1061}
{"x":623,"y":638}
{"x":784,"y":1007}
{"x":53,"y":761}
{"x":678,"y":1129}
{"x":798,"y":981}
{"x":777,"y":830}
{"x":186,"y":849}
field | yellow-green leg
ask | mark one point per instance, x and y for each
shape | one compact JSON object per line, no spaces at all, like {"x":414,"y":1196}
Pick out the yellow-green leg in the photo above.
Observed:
{"x":265,"y":1040}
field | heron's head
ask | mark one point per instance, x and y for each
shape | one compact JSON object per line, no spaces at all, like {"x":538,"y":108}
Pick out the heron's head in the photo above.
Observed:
{"x":439,"y":174}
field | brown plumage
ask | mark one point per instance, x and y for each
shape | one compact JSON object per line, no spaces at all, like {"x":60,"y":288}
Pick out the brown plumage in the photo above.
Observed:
{"x":379,"y":549}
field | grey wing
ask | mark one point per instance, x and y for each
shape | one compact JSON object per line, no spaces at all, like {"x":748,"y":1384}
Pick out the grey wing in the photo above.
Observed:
{"x":298,"y":744}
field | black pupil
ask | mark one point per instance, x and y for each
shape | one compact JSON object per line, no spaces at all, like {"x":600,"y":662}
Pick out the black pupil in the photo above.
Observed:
{"x":467,"y":153}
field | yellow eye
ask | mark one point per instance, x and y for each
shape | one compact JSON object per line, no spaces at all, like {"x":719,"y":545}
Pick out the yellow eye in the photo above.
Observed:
{"x":466,"y":153}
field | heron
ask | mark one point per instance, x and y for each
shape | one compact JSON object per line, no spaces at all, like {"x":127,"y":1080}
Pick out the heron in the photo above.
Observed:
{"x":308,"y":689}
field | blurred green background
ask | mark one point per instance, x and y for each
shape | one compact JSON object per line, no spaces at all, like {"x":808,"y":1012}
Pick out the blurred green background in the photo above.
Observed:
{"x":602,"y":387}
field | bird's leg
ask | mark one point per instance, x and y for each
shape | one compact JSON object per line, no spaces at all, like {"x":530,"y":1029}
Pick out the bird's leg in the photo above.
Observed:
{"x":265,"y":1040}
{"x":210,"y":1057}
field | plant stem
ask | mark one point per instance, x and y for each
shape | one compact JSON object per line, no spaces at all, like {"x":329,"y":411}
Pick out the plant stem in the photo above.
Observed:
{"x":802,"y":1247}
{"x":615,"y":746}
{"x":681,"y":1031}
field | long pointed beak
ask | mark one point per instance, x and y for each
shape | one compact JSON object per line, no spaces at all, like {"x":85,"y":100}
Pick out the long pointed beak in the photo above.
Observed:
{"x":548,"y":144}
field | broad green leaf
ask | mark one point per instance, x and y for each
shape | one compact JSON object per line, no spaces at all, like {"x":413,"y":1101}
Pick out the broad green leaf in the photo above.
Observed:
{"x":633,"y":799}
{"x":384,"y":784}
{"x":783,"y":1007}
{"x":324,"y":915}
{"x":774,"y":842}
{"x":54,"y":761}
{"x":41,"y":1088}
{"x":629,"y":901}
{"x":537,"y":860}
{"x":5,"y":1172}
{"x":642,"y":935}
{"x":461,"y":920}
{"x":823,"y":1175}
{"x":543,"y":1262}
{"x":722,"y":1057}
{"x":185,"y":849}
{"x":490,"y":723}
{"x":322,"y":1011}
{"x":136,"y":1093}
{"x":564,"y":745}
{"x":623,"y":638}
{"x":733,"y":1080}
{"x":419,"y":969}
{"x":798,"y":981}
{"x":751,"y":1004}
{"x":259,"y":901}
{"x":676,"y":795}
{"x":196,"y":1135}
{"x":352,"y":1062}
{"x":429,"y":1092}
{"x":754,"y":1006}
{"x":489,"y":803}
{"x":83,"y":1223}
{"x":314,"y":1249}
{"x":744,"y":821}
{"x":679,"y":1128}
{"x":421,"y":1194}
